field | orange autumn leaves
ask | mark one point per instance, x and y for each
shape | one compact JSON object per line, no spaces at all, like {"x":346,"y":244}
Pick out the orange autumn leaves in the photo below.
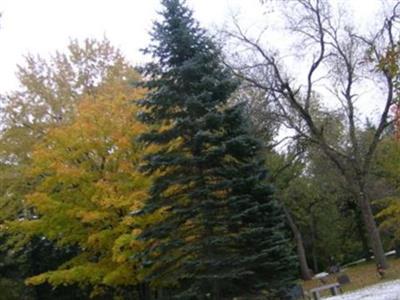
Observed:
{"x":87,"y":185}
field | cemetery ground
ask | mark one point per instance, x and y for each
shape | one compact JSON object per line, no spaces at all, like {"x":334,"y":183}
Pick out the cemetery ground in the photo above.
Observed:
{"x":389,"y":290}
{"x":362,"y":275}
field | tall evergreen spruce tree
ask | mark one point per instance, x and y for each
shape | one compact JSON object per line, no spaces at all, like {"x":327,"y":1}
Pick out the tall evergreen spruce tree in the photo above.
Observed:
{"x":218,"y":232}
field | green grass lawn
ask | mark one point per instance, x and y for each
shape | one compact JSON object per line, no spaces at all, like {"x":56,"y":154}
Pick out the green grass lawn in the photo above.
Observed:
{"x":361,"y":275}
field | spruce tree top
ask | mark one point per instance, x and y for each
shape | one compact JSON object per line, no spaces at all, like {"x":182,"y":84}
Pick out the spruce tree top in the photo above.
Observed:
{"x":186,"y":77}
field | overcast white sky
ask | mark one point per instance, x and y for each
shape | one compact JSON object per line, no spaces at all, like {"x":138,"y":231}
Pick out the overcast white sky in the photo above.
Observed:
{"x":43,"y":26}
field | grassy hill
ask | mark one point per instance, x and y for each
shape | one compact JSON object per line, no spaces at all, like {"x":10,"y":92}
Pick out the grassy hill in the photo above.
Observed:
{"x":361,"y":275}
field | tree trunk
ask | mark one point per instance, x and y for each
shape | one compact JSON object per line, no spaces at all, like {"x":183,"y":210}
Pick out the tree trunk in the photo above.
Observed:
{"x":144,"y":292}
{"x":160,"y":294}
{"x":215,"y":291}
{"x":372,"y":230}
{"x":361,"y":233}
{"x":314,"y":249}
{"x":301,"y":253}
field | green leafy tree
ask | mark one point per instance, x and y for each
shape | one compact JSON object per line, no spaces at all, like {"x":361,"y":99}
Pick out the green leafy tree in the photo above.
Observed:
{"x":388,"y":166}
{"x":222,"y":233}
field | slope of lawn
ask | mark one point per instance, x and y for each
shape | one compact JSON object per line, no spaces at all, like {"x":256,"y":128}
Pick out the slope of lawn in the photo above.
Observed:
{"x":361,"y":276}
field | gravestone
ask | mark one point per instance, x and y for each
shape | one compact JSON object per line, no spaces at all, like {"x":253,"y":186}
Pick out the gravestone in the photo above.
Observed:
{"x":343,"y":279}
{"x":397,"y":249}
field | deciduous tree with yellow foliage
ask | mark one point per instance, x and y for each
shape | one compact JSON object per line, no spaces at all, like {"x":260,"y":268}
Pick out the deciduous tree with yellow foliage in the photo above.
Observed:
{"x":49,"y":93}
{"x":87,"y":187}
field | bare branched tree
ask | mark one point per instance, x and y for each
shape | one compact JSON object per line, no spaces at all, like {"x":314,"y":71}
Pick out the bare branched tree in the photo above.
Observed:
{"x":341,"y":65}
